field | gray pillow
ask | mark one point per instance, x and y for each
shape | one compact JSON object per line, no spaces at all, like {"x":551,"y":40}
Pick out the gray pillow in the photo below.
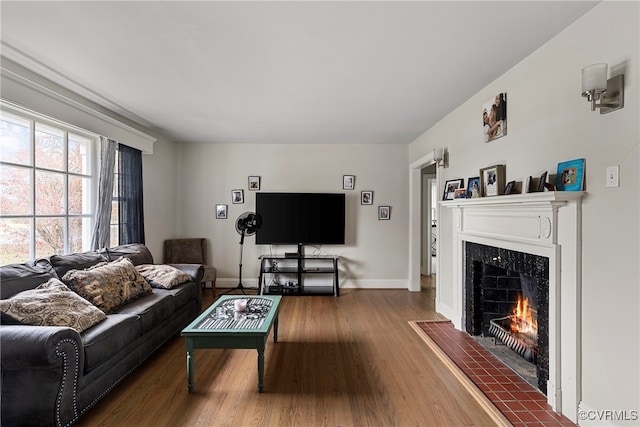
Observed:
{"x":163,"y":276}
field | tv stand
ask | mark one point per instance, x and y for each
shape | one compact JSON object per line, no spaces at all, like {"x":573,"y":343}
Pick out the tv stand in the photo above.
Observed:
{"x":283,"y":275}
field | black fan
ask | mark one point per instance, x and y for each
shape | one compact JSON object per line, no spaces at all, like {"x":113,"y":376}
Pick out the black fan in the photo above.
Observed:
{"x":246,"y":225}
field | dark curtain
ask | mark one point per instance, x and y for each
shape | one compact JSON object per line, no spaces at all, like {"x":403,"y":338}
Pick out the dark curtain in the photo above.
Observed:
{"x":131,"y":212}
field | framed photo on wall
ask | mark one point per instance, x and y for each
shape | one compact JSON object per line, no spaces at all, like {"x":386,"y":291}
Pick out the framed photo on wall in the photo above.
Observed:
{"x":450,"y":188}
{"x":492,"y":180}
{"x":254,"y":183}
{"x":366,"y":198}
{"x":221,"y":211}
{"x":384,"y":212}
{"x":494,"y":117}
{"x":237,"y":196}
{"x":348,"y":182}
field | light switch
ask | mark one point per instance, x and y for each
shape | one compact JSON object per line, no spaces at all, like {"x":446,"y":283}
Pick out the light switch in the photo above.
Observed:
{"x":613,"y":176}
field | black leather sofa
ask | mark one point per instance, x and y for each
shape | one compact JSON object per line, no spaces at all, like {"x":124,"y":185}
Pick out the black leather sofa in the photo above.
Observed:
{"x":52,"y":375}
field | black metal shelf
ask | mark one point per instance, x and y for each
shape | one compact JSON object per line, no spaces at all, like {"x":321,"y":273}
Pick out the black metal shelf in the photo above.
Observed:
{"x":269,"y":266}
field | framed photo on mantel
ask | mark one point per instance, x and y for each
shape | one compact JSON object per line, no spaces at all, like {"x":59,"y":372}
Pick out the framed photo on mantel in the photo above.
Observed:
{"x":492,"y":179}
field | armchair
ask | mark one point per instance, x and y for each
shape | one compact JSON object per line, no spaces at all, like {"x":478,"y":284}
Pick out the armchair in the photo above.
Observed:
{"x":191,"y":251}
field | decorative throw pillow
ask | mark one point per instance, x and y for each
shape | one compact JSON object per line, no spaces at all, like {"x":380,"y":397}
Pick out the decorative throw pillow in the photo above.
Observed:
{"x":163,"y":276}
{"x":108,"y":285}
{"x":52,"y":304}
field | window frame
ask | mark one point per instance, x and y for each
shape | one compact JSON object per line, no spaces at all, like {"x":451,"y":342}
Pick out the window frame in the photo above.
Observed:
{"x":93,"y":163}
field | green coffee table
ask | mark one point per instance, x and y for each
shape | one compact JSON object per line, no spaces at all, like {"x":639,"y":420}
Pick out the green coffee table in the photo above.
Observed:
{"x":221,"y":326}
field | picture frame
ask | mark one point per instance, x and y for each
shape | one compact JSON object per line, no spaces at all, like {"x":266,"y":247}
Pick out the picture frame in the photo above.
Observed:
{"x":237,"y":196}
{"x":366,"y":197}
{"x":473,"y":188}
{"x":494,"y":117}
{"x":509,"y":188}
{"x":492,"y":180}
{"x":254,"y":183}
{"x":527,"y":185}
{"x":221,"y":211}
{"x":450,"y":188}
{"x":542,"y":183}
{"x":384,"y":213}
{"x":348,"y":182}
{"x":570,"y":175}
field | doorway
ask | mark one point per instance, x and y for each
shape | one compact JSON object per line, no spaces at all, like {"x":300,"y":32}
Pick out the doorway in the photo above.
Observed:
{"x":429,"y":223}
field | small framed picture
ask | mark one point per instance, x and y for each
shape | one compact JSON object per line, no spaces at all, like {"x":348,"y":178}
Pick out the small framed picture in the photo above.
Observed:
{"x":473,"y":188}
{"x":570,"y":175}
{"x":348,"y":182}
{"x":237,"y":196}
{"x":460,"y":193}
{"x":450,"y":188}
{"x":254,"y":183}
{"x":492,"y":179}
{"x":366,"y":198}
{"x":221,"y":211}
{"x":384,"y":212}
{"x":527,"y":185}
{"x":542,"y":183}
{"x":509,"y":188}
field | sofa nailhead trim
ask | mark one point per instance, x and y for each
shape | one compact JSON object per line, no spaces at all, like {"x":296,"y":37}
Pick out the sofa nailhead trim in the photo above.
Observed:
{"x":65,"y":369}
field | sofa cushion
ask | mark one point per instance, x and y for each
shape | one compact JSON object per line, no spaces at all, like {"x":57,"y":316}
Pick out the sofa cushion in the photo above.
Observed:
{"x":163,"y":276}
{"x":181,"y":294}
{"x":80,"y":261}
{"x":152,"y":309}
{"x":108,"y":338}
{"x":108,"y":285}
{"x":16,"y":278}
{"x":136,"y":252}
{"x":52,"y":304}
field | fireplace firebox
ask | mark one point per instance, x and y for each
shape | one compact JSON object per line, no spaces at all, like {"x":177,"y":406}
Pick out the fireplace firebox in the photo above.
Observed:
{"x":507,"y":297}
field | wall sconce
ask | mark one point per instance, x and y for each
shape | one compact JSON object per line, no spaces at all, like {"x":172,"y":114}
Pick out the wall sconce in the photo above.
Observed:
{"x":596,"y":87}
{"x":438,"y":156}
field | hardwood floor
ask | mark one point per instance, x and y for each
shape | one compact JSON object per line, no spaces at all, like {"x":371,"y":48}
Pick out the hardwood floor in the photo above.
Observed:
{"x":346,"y":361}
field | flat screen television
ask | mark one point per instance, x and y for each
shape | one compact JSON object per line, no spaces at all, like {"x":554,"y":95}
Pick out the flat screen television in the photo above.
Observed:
{"x":301,"y":218}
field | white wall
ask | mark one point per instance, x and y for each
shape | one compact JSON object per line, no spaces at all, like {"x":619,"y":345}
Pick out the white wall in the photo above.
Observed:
{"x":375,"y":252}
{"x":549,"y":122}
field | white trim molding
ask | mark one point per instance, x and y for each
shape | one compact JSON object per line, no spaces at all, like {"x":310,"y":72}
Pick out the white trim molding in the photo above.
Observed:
{"x":547,"y":224}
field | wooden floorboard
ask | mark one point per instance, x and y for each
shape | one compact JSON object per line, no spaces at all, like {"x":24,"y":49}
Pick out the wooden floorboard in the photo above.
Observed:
{"x":346,"y":361}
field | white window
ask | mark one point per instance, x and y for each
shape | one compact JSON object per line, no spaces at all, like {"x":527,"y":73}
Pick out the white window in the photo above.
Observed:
{"x":48,"y":176}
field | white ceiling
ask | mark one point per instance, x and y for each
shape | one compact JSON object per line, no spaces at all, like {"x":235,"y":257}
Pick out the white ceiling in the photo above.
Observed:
{"x":280,"y":72}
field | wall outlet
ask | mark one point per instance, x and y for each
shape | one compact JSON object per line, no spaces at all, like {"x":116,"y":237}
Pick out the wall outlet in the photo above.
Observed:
{"x":613,"y":176}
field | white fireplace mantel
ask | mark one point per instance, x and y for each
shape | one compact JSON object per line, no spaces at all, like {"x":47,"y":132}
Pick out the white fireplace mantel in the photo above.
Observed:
{"x":547,"y":224}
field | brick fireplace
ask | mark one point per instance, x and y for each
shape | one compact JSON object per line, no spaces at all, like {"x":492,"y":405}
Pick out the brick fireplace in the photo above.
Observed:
{"x":537,"y":237}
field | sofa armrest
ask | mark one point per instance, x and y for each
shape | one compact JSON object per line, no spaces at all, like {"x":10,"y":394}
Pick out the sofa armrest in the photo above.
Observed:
{"x":194,"y":270}
{"x":41,"y":367}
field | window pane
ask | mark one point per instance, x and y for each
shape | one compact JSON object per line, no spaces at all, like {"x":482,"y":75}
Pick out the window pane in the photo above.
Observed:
{"x":79,"y":195}
{"x":49,"y":147}
{"x":79,"y":234}
{"x":79,"y":154}
{"x":15,"y":139}
{"x":15,"y":190}
{"x":114,"y":235}
{"x":49,"y":193}
{"x":15,"y":235}
{"x":49,"y":237}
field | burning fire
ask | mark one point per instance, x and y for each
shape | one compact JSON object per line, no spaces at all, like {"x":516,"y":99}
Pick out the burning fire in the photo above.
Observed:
{"x":522,"y":320}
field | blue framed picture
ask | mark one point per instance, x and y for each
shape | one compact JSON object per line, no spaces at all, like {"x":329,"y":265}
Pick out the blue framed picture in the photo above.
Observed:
{"x":570,"y":175}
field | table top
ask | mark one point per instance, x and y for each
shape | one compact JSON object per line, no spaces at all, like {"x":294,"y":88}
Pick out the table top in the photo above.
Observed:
{"x":222,"y":318}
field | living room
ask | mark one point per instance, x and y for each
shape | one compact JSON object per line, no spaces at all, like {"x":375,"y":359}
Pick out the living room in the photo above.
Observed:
{"x":549,"y":122}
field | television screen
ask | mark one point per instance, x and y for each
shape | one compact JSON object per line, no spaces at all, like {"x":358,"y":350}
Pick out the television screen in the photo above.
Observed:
{"x":301,"y":218}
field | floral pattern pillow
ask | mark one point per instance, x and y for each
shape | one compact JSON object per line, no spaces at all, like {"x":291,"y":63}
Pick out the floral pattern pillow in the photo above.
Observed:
{"x":52,"y":304}
{"x":163,"y":276}
{"x":108,"y":285}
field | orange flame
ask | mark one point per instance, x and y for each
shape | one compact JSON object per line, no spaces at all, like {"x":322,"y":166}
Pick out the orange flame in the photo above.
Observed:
{"x":522,"y":318}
